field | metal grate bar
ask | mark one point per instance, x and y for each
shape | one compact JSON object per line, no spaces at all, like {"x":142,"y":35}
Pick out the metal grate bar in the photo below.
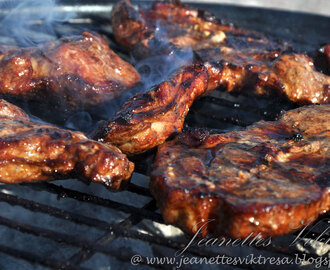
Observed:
{"x":55,"y":212}
{"x":33,"y":258}
{"x":89,"y":247}
{"x":139,"y":190}
{"x":238,"y":105}
{"x":84,"y":197}
{"x":64,"y":238}
{"x":117,"y":229}
{"x":235,"y":120}
{"x":55,"y":236}
{"x":120,"y":229}
{"x":85,"y":253}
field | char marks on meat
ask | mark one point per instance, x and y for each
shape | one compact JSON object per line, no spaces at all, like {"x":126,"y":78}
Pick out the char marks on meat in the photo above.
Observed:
{"x":270,"y":178}
{"x":176,"y":26}
{"x":237,"y":59}
{"x":36,"y":152}
{"x":73,"y":73}
{"x":268,"y":73}
{"x":147,"y":120}
{"x":242,"y":61}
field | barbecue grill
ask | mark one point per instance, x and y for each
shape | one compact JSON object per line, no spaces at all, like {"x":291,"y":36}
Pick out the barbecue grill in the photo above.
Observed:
{"x":73,"y":225}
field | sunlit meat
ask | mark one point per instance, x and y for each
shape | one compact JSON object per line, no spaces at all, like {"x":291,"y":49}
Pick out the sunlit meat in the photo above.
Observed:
{"x":147,"y":120}
{"x":272,"y":178}
{"x":288,"y":75}
{"x":35,"y":152}
{"x":237,"y":59}
{"x":171,"y":23}
{"x":71,"y":74}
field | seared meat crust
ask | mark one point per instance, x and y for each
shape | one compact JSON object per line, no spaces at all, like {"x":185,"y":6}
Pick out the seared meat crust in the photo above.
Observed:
{"x":72,"y":73}
{"x":148,"y":119}
{"x":270,"y":179}
{"x":267,"y":73}
{"x":36,"y":152}
{"x":176,"y":25}
{"x":237,"y":59}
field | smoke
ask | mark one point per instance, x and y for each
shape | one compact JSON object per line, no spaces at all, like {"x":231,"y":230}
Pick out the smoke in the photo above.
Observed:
{"x":158,"y":68}
{"x":165,"y":58}
{"x":31,"y":22}
{"x":81,"y":121}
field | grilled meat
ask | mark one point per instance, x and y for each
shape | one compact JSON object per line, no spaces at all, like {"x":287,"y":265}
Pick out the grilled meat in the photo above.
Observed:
{"x":148,"y":119}
{"x":268,"y":73}
{"x":37,"y":152}
{"x":239,"y":63}
{"x":72,"y":74}
{"x":270,"y":178}
{"x":295,"y":77}
{"x":237,"y":59}
{"x":177,"y":26}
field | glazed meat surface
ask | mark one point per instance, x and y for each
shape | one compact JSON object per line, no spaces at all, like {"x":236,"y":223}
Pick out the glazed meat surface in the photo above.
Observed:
{"x":148,"y":119}
{"x":237,"y":59}
{"x":244,"y":61}
{"x":36,"y":152}
{"x":72,"y":73}
{"x":270,"y":179}
{"x":175,"y":25}
{"x":274,"y":73}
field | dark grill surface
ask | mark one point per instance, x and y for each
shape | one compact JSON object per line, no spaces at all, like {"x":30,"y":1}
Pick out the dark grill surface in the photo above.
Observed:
{"x":72,"y":225}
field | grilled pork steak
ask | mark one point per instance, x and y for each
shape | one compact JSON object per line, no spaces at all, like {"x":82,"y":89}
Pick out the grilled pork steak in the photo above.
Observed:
{"x":268,"y":73}
{"x":238,"y":63}
{"x":239,"y":60}
{"x":35,"y":152}
{"x":175,"y":25}
{"x":270,"y":178}
{"x":147,"y":120}
{"x":72,"y":73}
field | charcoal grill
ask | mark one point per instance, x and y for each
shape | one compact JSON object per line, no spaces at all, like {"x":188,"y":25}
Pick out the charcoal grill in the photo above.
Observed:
{"x":71,"y":225}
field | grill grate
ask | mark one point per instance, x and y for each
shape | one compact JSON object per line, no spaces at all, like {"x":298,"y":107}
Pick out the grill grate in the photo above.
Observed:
{"x":130,"y":219}
{"x":111,"y":231}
